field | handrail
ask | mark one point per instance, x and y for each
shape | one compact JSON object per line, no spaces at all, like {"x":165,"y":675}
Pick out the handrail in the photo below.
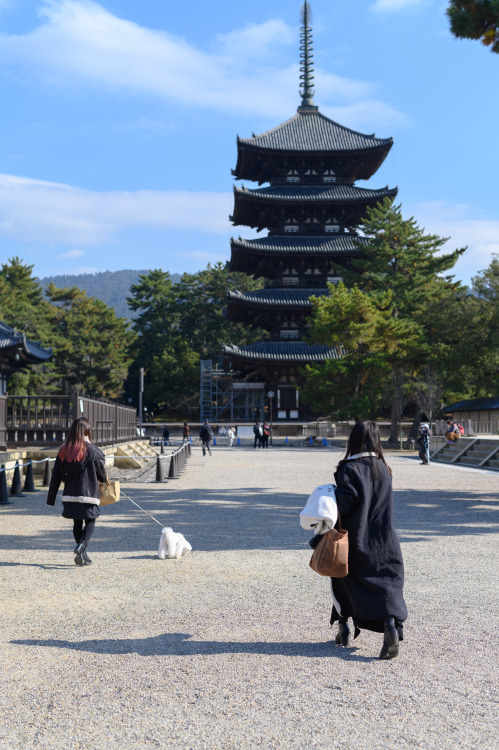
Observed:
{"x":461,"y":453}
{"x":489,"y":456}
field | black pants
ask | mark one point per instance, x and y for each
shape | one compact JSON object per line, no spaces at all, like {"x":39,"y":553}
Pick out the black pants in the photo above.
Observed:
{"x":83,"y":534}
{"x":206,"y":447}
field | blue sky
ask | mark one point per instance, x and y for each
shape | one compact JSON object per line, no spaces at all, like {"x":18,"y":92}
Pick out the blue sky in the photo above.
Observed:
{"x":119,"y":119}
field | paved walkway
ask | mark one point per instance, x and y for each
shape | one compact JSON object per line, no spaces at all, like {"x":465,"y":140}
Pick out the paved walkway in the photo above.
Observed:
{"x":231,"y":647}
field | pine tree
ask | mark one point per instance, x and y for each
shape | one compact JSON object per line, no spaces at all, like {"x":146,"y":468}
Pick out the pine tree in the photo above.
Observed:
{"x":178,"y":325}
{"x":475,"y":19}
{"x":382,"y":318}
{"x":91,"y":344}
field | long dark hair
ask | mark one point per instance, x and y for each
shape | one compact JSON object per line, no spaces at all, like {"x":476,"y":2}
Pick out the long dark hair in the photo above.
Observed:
{"x":365,"y":438}
{"x":74,"y":448}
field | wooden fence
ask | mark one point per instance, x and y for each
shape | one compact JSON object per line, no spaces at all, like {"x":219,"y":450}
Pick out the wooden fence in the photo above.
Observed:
{"x":33,"y":420}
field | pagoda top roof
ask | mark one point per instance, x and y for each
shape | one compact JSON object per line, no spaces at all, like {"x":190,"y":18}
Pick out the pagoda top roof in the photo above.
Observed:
{"x":316,"y":193}
{"x":30,"y":352}
{"x":292,"y":243}
{"x":278,"y":297}
{"x":314,"y":132}
{"x":283,"y":351}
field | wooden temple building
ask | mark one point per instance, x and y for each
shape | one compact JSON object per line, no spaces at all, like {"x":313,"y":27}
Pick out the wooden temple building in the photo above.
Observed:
{"x":16,"y":352}
{"x":311,"y":208}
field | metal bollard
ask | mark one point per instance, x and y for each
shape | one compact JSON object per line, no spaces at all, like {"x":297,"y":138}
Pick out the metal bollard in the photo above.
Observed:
{"x":159,"y":470}
{"x":47,"y":474}
{"x":4,"y":492}
{"x":29,"y":482}
{"x":162,"y":447}
{"x":171,"y":471}
{"x":16,"y":489}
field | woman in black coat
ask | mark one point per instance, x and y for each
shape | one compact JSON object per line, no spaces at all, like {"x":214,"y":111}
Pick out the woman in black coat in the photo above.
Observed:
{"x":80,"y":465}
{"x":372,"y":592}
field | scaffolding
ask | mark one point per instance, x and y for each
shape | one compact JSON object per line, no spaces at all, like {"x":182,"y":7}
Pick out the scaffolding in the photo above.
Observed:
{"x":225,"y":399}
{"x":206,"y":391}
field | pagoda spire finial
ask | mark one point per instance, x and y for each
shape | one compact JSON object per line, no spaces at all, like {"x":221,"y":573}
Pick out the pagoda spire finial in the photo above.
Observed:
{"x":306,"y":60}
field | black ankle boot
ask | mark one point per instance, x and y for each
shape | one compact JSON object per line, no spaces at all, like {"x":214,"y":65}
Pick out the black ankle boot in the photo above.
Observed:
{"x":88,"y":561}
{"x":343,"y":634}
{"x":390,"y":648}
{"x":79,"y":553}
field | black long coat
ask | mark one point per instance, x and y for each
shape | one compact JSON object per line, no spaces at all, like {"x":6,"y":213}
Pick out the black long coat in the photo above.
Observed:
{"x":81,"y":497}
{"x":373,"y":588}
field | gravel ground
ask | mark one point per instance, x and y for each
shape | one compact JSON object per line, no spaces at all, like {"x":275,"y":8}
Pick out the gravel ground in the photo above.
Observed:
{"x":230,"y":647}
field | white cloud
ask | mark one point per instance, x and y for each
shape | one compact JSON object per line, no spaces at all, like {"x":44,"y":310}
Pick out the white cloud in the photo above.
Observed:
{"x":53,"y":213}
{"x":256,"y":40}
{"x":388,"y":6}
{"x":464,"y":227}
{"x":72,"y":254}
{"x":370,"y":113}
{"x":79,"y":42}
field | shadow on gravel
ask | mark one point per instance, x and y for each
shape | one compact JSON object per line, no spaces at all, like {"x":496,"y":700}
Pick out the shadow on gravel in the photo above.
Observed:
{"x":247,"y":518}
{"x":179,"y":644}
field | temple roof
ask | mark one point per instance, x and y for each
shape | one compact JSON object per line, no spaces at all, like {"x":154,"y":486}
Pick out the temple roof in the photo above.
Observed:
{"x":312,"y":131}
{"x":12,"y":343}
{"x":293,"y":243}
{"x":278,"y":297}
{"x":474,"y":404}
{"x":317,"y":194}
{"x":280,"y":351}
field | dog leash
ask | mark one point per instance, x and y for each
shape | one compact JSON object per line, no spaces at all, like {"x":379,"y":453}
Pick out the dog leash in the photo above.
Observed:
{"x":142,"y":509}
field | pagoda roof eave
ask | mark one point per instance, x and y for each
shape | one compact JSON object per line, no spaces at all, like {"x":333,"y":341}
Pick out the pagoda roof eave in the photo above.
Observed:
{"x":313,"y":132}
{"x":281,"y":352}
{"x":333,"y":244}
{"x":342,"y":194}
{"x":277,"y":297}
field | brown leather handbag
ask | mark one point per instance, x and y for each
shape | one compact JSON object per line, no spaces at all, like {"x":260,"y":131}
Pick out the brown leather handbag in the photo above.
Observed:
{"x":330,"y":555}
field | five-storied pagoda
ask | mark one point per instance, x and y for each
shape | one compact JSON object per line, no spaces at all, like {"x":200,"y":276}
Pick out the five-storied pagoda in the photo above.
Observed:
{"x":311,"y":209}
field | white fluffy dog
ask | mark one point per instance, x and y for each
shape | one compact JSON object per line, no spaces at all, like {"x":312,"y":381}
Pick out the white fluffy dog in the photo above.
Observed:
{"x":172,"y":544}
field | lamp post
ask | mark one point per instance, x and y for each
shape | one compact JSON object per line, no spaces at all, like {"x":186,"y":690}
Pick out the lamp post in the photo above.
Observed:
{"x":141,"y":391}
{"x":271,"y":395}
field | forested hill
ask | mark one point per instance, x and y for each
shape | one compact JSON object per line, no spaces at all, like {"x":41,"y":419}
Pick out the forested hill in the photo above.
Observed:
{"x":112,"y":287}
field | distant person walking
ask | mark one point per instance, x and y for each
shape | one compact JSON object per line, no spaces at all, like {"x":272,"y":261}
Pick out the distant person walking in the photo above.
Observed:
{"x":206,"y":436}
{"x":185,"y":433}
{"x":258,"y":433}
{"x":266,"y":435}
{"x":372,"y":592}
{"x":231,"y":434}
{"x":80,"y":466}
{"x":166,"y":435}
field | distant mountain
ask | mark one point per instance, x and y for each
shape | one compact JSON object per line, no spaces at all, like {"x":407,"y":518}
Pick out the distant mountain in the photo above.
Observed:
{"x":112,"y":287}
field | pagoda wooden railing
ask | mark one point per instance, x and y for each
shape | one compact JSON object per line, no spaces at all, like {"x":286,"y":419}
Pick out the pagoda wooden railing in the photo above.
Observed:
{"x":47,"y":419}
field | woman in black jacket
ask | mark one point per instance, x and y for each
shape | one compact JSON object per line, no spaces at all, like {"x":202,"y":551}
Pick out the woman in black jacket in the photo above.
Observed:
{"x":372,"y":592}
{"x":80,"y":465}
